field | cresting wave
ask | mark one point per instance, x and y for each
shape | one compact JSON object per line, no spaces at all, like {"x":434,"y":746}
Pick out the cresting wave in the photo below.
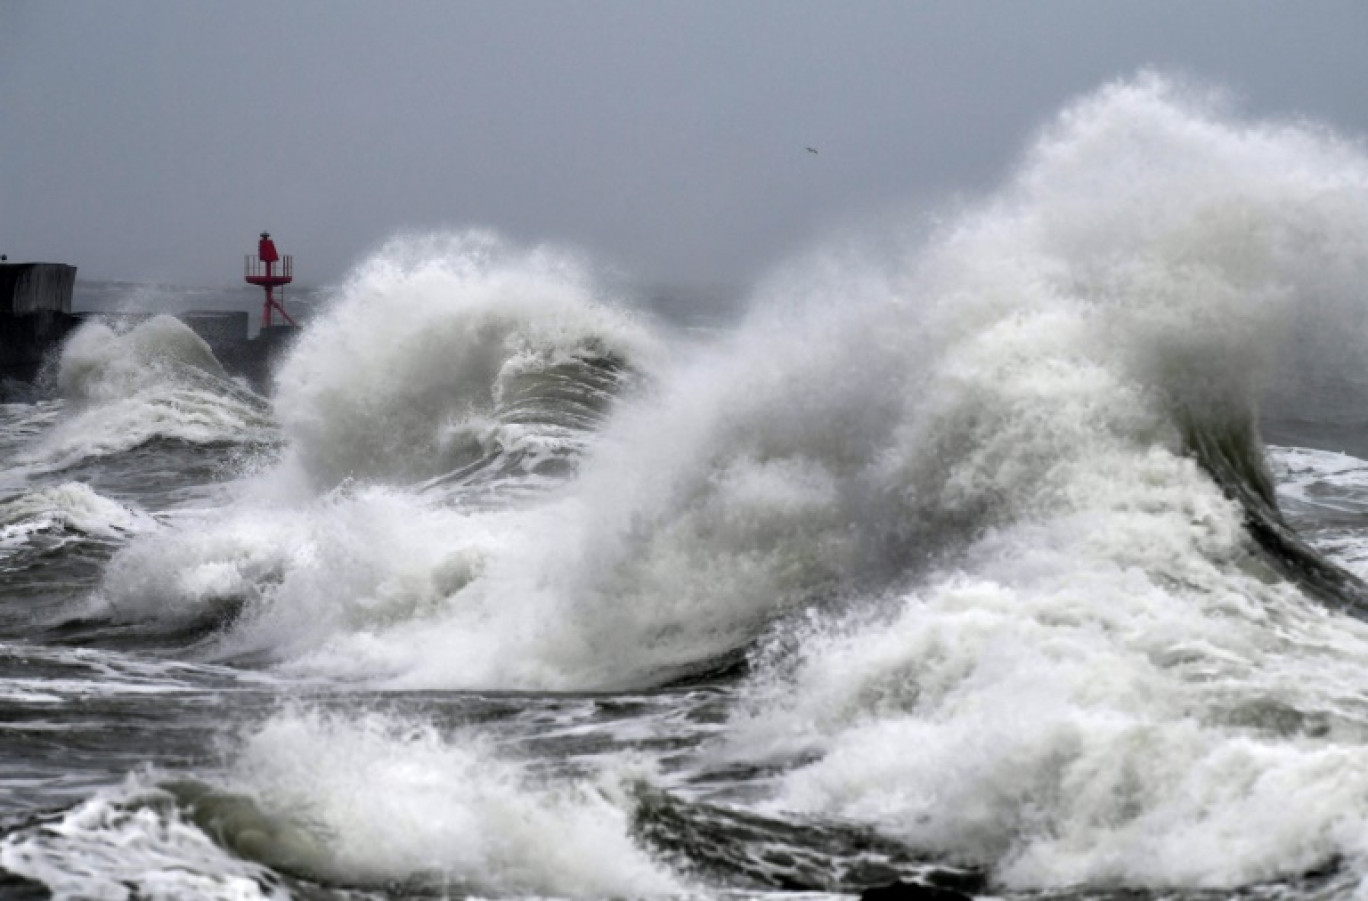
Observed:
{"x":989,"y":519}
{"x":155,"y":381}
{"x":454,"y":376}
{"x":1119,"y":676}
{"x":444,"y":352}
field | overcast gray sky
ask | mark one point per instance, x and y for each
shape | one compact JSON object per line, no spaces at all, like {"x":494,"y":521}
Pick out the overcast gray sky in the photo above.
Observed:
{"x":152,"y":140}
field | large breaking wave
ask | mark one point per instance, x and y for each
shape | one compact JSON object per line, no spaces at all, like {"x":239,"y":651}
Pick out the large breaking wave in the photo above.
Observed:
{"x":989,"y":519}
{"x":1124,"y":671}
{"x":444,"y":352}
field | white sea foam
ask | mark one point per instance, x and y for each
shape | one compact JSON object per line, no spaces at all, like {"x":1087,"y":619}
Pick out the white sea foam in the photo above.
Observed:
{"x":35,"y":675}
{"x":354,"y":563}
{"x":376,"y":799}
{"x":71,"y":507}
{"x":131,"y":842}
{"x":155,"y":380}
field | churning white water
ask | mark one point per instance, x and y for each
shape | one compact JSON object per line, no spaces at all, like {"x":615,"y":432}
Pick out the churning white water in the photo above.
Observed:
{"x":961,"y":534}
{"x":157,"y":380}
{"x":1102,"y":682}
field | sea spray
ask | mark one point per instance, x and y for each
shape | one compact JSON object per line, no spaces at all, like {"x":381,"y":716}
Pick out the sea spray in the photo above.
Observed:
{"x":1034,"y":370}
{"x":1106,"y":683}
{"x":1044,"y":358}
{"x":455,"y":374}
{"x":155,"y":380}
{"x":431,"y":340}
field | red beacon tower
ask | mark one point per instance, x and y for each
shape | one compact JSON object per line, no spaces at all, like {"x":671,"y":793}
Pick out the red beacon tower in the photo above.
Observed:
{"x":270,"y":270}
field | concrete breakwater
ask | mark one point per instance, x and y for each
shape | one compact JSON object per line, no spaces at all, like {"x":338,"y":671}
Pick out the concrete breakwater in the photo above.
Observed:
{"x":36,"y":317}
{"x":35,"y":314}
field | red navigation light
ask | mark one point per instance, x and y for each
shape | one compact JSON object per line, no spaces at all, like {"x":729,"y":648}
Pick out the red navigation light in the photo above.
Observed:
{"x":270,"y":270}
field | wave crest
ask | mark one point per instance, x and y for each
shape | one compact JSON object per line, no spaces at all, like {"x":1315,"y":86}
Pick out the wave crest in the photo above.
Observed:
{"x":156,"y":380}
{"x":440,"y":348}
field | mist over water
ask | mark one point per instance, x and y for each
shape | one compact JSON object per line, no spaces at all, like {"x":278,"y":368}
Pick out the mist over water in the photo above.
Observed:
{"x":961,"y":554}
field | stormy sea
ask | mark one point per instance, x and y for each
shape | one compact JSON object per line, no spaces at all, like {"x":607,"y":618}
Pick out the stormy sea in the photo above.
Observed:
{"x":1016,"y":554}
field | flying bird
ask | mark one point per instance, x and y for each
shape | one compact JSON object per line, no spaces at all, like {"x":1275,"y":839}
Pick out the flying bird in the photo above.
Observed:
{"x":812,"y":150}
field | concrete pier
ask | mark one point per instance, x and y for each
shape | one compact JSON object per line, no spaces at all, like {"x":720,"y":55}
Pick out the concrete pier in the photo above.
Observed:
{"x":35,"y":314}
